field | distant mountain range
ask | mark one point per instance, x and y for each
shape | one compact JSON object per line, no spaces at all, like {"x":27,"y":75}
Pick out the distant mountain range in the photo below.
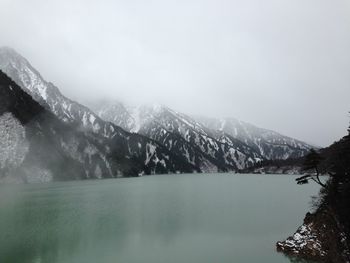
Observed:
{"x":111,"y":139}
{"x":235,"y":143}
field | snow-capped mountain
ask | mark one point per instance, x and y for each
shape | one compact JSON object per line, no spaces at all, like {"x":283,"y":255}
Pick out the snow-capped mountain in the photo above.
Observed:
{"x":150,"y":155}
{"x":182,"y":135}
{"x":27,"y":77}
{"x":155,"y":139}
{"x":270,"y":144}
{"x":230,"y":142}
{"x":197,"y":148}
{"x":36,"y":146}
{"x":116,"y":112}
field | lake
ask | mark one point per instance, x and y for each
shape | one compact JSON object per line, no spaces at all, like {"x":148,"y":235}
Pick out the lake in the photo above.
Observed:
{"x":214,"y":218}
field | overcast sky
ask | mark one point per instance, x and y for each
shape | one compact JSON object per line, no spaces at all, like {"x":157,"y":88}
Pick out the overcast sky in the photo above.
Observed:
{"x":279,"y":64}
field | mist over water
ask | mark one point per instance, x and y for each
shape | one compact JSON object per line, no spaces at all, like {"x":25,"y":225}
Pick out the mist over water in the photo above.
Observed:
{"x":183,"y":218}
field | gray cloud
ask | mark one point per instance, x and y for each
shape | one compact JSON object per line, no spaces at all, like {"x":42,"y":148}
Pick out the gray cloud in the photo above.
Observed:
{"x":280,"y":64}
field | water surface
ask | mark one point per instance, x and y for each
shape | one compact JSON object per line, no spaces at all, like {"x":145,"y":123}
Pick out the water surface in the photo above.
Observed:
{"x":214,"y":218}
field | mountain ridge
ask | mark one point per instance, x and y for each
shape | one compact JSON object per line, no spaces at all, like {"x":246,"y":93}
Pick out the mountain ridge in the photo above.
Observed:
{"x":157,"y":132}
{"x":154,"y":157}
{"x":162,"y":124}
{"x":266,"y":143}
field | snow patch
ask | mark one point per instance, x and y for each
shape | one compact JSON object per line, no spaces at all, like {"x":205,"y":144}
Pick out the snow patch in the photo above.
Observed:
{"x":13,"y":143}
{"x":150,"y":150}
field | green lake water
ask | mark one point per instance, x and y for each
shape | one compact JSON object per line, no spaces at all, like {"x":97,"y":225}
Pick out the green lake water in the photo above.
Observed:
{"x":202,"y":218}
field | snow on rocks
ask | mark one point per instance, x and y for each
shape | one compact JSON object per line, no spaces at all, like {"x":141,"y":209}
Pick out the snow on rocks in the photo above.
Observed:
{"x":321,"y":238}
{"x":304,"y":240}
{"x":150,"y":150}
{"x":13,"y":143}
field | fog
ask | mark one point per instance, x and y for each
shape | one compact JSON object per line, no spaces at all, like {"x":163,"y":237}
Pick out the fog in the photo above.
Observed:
{"x":279,"y":64}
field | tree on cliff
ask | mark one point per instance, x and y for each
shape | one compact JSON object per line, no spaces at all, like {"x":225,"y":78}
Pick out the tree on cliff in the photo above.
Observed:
{"x":333,"y":160}
{"x":335,"y":193}
{"x":330,"y":222}
{"x":311,"y":163}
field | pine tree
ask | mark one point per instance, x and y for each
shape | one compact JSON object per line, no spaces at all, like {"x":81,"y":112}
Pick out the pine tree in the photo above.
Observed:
{"x":311,"y":163}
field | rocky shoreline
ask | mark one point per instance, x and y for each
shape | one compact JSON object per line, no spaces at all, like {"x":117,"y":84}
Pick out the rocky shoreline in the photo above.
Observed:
{"x":320,"y":238}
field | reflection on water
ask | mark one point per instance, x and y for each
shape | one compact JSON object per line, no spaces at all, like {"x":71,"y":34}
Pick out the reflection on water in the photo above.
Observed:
{"x":183,"y":218}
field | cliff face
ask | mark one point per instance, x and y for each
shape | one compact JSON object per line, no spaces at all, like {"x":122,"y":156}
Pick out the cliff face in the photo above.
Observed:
{"x":325,"y":234}
{"x":322,"y":238}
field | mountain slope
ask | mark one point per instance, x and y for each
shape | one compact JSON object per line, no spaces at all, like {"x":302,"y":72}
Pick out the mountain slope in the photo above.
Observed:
{"x":49,"y":96}
{"x":150,"y":156}
{"x":203,"y":145}
{"x":181,"y":135}
{"x":36,"y":146}
{"x":226,"y":143}
{"x":203,"y":154}
{"x":270,"y":144}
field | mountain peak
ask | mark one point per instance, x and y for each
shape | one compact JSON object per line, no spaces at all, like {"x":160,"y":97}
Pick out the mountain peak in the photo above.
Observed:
{"x":8,"y":54}
{"x":11,"y":60}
